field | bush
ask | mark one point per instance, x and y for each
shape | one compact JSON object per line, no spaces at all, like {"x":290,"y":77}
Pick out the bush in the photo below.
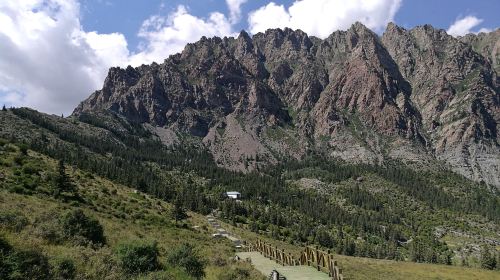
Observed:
{"x":185,"y":257}
{"x":5,"y":250}
{"x":77,"y":226}
{"x":19,"y":160}
{"x":27,"y":264}
{"x":64,"y":269}
{"x":100,"y":264}
{"x":13,"y":221}
{"x":48,"y":227}
{"x":488,"y":259}
{"x":31,"y":168}
{"x":18,"y":189}
{"x":237,"y":273}
{"x":24,"y":149}
{"x":3,"y":142}
{"x":138,"y":256}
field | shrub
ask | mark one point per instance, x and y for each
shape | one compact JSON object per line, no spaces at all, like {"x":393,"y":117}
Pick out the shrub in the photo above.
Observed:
{"x":13,"y":221}
{"x":3,"y":142}
{"x":237,"y":273}
{"x":64,"y":269}
{"x":5,"y":250}
{"x":17,"y":189}
{"x":19,"y":160}
{"x":28,"y":264}
{"x":219,"y":261}
{"x":31,"y":168}
{"x":48,"y":227}
{"x":488,"y":260}
{"x":138,"y":257}
{"x":77,"y":226}
{"x":100,"y":264}
{"x":23,"y":148}
{"x":185,"y":257}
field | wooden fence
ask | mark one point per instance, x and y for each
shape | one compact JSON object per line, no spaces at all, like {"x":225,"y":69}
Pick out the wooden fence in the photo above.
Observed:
{"x":322,"y":261}
{"x":311,"y":256}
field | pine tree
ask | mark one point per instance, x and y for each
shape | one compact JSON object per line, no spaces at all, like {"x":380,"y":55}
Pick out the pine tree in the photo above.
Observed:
{"x":3,"y":108}
{"x":178,"y":212}
{"x":63,"y":181}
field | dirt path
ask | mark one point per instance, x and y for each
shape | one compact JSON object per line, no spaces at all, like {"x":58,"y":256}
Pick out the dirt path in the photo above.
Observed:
{"x":224,"y":233}
{"x":265,"y":266}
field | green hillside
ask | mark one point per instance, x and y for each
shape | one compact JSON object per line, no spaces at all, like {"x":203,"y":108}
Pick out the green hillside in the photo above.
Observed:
{"x":33,"y":224}
{"x":393,"y":212}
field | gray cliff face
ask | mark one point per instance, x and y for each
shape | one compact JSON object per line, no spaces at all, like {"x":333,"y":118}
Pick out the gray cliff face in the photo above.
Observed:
{"x":419,"y":96}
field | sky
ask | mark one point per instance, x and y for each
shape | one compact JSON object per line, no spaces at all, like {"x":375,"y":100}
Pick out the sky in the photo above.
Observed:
{"x":55,"y":53}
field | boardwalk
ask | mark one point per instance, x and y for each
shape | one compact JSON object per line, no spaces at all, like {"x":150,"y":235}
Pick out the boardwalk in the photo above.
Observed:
{"x":265,"y":266}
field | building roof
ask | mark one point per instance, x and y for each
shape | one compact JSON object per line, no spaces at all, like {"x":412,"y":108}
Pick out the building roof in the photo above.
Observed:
{"x":233,"y":193}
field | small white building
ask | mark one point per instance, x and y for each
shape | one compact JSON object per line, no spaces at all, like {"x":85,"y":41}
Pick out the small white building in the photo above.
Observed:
{"x":233,"y":195}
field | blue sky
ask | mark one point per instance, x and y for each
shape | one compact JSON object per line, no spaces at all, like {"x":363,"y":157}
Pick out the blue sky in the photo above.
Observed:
{"x":55,"y":53}
{"x":126,"y":16}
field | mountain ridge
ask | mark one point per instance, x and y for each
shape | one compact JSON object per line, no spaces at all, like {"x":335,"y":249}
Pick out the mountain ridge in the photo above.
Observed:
{"x":419,"y":96}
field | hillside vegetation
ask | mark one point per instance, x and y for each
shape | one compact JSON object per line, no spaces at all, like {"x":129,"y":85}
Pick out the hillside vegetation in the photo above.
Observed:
{"x":102,"y":230}
{"x":391,"y":212}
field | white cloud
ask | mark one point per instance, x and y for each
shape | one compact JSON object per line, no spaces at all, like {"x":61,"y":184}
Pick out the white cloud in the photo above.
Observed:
{"x":485,"y":30}
{"x":47,"y":60}
{"x":235,"y":9}
{"x":167,"y":35}
{"x":322,"y":17}
{"x":463,"y":26}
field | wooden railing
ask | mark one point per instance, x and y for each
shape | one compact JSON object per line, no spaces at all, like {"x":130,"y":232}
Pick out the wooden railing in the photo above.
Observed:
{"x":321,"y":260}
{"x":273,"y":253}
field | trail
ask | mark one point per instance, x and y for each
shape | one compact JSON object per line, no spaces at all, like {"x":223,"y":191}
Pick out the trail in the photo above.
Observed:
{"x":265,"y":266}
{"x":224,"y":233}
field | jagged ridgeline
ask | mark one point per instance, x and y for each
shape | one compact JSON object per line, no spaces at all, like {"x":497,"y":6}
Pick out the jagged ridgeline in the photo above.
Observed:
{"x":419,"y":96}
{"x":384,"y":147}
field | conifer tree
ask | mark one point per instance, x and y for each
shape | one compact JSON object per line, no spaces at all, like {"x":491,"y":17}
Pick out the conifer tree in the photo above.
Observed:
{"x":63,"y":181}
{"x":178,"y":212}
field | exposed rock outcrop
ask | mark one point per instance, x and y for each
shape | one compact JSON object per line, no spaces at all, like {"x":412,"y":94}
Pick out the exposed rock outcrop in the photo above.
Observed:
{"x":415,"y":95}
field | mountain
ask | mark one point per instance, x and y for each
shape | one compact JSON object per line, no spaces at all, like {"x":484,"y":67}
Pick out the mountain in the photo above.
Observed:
{"x":417,"y":96}
{"x":346,"y":143}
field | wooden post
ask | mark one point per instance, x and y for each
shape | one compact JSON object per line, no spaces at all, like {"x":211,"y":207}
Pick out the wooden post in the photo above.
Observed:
{"x":317,"y":258}
{"x":329,"y":263}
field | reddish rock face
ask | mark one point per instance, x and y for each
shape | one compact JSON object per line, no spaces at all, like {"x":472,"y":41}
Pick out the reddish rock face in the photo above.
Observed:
{"x":415,"y":95}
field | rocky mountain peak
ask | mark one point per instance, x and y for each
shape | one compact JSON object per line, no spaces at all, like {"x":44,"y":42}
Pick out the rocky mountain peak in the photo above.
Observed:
{"x":415,"y":95}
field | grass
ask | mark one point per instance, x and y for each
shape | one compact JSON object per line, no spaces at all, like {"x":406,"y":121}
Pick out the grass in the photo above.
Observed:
{"x":365,"y":268}
{"x":127,"y":215}
{"x":373,"y":269}
{"x":124,"y":214}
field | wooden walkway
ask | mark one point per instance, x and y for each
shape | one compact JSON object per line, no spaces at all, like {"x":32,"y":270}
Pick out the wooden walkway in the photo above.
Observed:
{"x":265,"y":266}
{"x":311,"y":256}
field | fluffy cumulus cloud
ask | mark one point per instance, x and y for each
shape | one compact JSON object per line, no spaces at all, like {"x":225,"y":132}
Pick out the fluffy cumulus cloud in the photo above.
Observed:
{"x":322,"y":17}
{"x":47,"y":61}
{"x":234,"y":7}
{"x":463,"y":26}
{"x":167,"y":35}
